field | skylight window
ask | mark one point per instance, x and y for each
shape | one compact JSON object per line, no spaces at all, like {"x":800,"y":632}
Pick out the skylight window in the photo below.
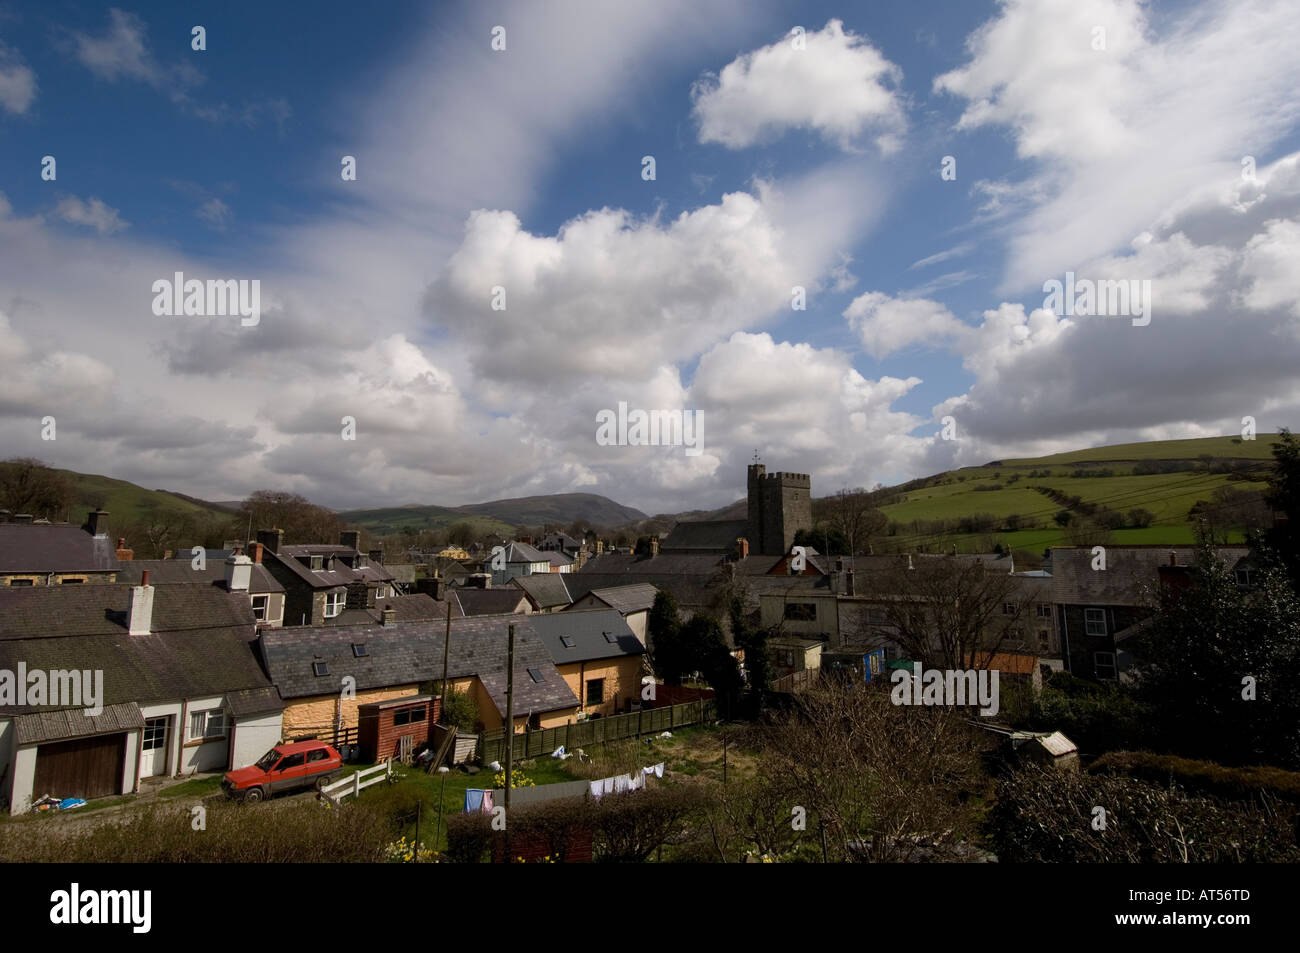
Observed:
{"x":611,"y":638}
{"x":359,"y":650}
{"x":535,"y":674}
{"x":568,"y":641}
{"x":320,"y":668}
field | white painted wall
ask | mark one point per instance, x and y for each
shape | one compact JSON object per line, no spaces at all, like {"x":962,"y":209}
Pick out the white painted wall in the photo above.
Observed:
{"x":24,"y":770}
{"x":255,"y":736}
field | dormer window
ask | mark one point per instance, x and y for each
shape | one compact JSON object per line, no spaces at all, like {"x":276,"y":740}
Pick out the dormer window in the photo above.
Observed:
{"x":1245,"y":577}
{"x":317,"y":563}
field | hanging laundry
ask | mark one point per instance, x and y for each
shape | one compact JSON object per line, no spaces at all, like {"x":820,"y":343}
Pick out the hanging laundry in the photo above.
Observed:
{"x":659,"y":770}
{"x":621,"y":783}
{"x":597,"y":788}
{"x":487,"y":802}
{"x":637,"y":782}
{"x":474,"y":799}
{"x":648,"y":769}
{"x":608,"y":785}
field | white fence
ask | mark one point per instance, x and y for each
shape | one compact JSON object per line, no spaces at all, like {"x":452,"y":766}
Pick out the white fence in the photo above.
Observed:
{"x":337,"y":791}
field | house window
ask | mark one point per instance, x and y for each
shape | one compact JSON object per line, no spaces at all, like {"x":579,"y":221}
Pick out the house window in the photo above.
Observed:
{"x":20,"y":582}
{"x":320,"y":668}
{"x":359,"y":650}
{"x":317,"y":562}
{"x":535,"y":674}
{"x":1094,"y":621}
{"x":1008,"y":608}
{"x":1244,"y":576}
{"x":1103,"y":664}
{"x":800,"y":611}
{"x":1044,"y":610}
{"x":381,"y":592}
{"x":259,"y":607}
{"x":334,"y":601}
{"x":595,"y":691}
{"x":65,"y":581}
{"x":408,"y":716}
{"x":207,"y":724}
{"x":155,"y":733}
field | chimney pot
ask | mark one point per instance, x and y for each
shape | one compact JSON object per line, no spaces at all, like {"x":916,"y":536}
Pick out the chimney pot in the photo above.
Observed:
{"x":654,"y":545}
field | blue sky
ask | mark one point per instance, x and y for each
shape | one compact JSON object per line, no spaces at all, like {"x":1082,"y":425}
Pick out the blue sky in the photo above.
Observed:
{"x":775,"y":166}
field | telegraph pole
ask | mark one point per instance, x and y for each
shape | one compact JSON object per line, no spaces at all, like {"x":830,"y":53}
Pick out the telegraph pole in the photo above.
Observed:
{"x":510,"y":727}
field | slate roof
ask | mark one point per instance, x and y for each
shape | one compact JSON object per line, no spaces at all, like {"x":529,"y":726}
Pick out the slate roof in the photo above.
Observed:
{"x":636,"y":597}
{"x":546,"y":589}
{"x":488,"y":601}
{"x":54,"y":547}
{"x":145,"y":668}
{"x":254,"y":701}
{"x":42,"y":726}
{"x":340,"y":575}
{"x":524,"y":553}
{"x":586,"y":629}
{"x":169,"y":572}
{"x":412,"y":652}
{"x":66,"y":611}
{"x":713,"y":536}
{"x":1129,"y":570}
{"x":418,"y":607}
{"x":558,"y":559}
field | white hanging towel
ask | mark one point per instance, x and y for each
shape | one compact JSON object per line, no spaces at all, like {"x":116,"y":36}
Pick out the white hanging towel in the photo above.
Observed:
{"x":608,"y":785}
{"x":621,"y":783}
{"x":637,"y":782}
{"x":659,"y":770}
{"x":597,"y":788}
{"x":648,"y":769}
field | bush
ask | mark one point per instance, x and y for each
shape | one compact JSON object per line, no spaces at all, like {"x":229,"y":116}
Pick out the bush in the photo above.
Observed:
{"x":1203,"y":777}
{"x":1047,"y":816}
{"x":235,"y":834}
{"x":468,"y":837}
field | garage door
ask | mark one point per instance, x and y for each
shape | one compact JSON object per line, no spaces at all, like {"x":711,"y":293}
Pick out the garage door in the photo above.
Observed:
{"x":86,"y":767}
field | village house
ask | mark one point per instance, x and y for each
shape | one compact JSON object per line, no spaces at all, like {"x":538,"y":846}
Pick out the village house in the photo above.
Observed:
{"x":632,"y":602}
{"x":231,"y":570}
{"x":325,"y":673}
{"x":51,"y":554}
{"x":599,"y":656}
{"x":546,"y":592}
{"x":182,"y":687}
{"x":321,"y":581}
{"x":1097,"y":609}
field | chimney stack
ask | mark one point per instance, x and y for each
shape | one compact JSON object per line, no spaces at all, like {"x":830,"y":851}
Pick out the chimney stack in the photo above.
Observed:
{"x":255,"y":553}
{"x":239,"y":572}
{"x":123,"y":554}
{"x":389,"y":616}
{"x":600,"y":546}
{"x":97,"y":523}
{"x":851,"y":589}
{"x":139,"y":615}
{"x":742,"y":548}
{"x":271,"y":539}
{"x":351,"y":538}
{"x":654,"y":545}
{"x":376,"y":555}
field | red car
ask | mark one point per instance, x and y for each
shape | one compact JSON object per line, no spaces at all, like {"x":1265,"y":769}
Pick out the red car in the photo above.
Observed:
{"x":287,"y":767}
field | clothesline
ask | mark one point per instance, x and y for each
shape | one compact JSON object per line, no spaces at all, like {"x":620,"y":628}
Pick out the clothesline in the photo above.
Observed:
{"x":622,"y":783}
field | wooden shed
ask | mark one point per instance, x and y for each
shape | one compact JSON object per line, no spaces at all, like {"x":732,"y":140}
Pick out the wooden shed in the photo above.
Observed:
{"x":384,"y":724}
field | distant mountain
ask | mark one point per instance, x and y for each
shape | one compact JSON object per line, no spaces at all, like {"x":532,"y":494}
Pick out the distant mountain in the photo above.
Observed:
{"x":556,"y":508}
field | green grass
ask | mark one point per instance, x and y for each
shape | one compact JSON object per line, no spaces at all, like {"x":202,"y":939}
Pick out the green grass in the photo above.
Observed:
{"x":127,"y":503}
{"x":195,"y":787}
{"x":399,"y":519}
{"x":1221,"y":447}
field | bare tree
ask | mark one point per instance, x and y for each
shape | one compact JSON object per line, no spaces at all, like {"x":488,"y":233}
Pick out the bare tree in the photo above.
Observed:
{"x":950,"y":611}
{"x":30,"y":486}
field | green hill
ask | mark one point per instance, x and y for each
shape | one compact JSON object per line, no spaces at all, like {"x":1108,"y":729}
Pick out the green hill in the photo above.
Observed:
{"x":129,"y":504}
{"x":1014,"y":502}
